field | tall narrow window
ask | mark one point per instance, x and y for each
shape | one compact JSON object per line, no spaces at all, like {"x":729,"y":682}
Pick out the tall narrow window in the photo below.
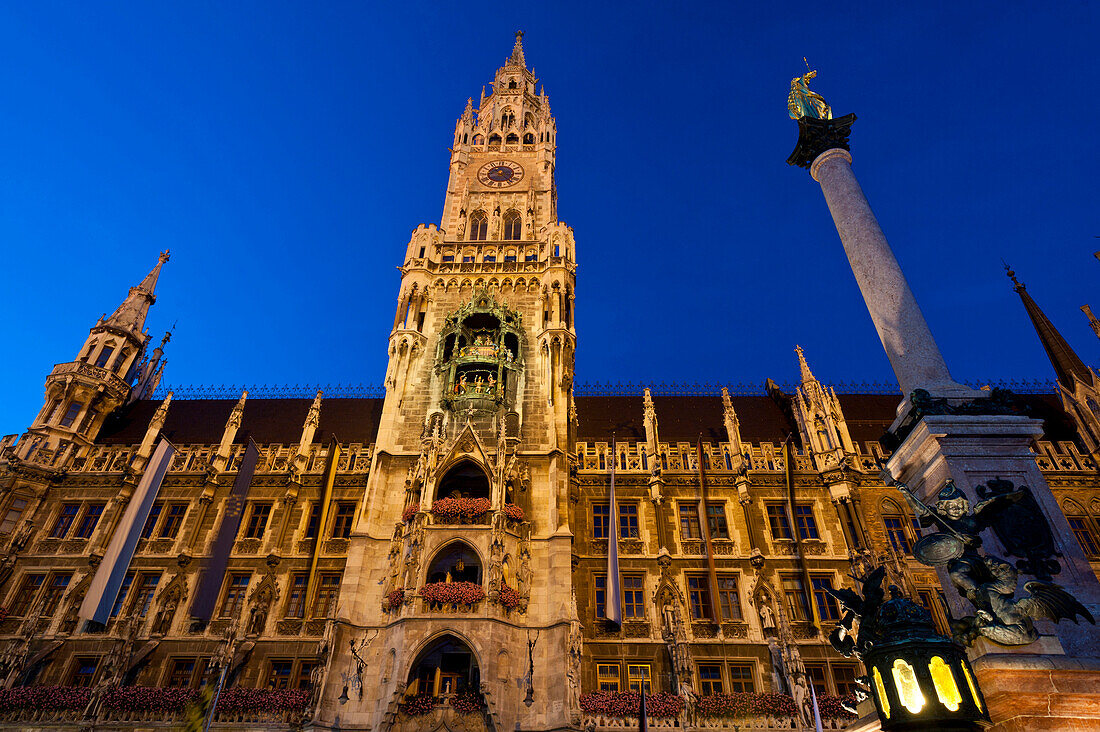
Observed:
{"x":151,"y":522}
{"x":513,"y":225}
{"x":71,"y":414}
{"x":123,"y":593}
{"x":628,"y":520}
{"x":55,"y":590}
{"x":143,"y":593}
{"x":816,"y":674}
{"x":844,"y":678}
{"x":827,"y":606}
{"x":257,"y":521}
{"x":633,"y":602}
{"x":689,"y":520}
{"x":804,"y":520}
{"x":741,"y":678}
{"x":778,"y":521}
{"x":104,"y":356}
{"x":173,"y":520}
{"x":638,"y":676}
{"x":699,"y":594}
{"x":12,"y":515}
{"x":64,"y":520}
{"x":607,"y":676}
{"x":235,"y":589}
{"x":341,"y":526}
{"x":314,"y":520}
{"x":479,"y":226}
{"x":328,"y":592}
{"x":89,"y":521}
{"x":716,"y":520}
{"x":28,"y":592}
{"x":795,"y":593}
{"x":728,"y":599}
{"x":296,"y":600}
{"x":599,"y":594}
{"x":894,"y":522}
{"x":304,"y":679}
{"x":601,"y":520}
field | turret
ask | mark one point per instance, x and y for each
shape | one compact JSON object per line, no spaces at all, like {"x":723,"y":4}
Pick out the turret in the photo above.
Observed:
{"x":80,"y":394}
{"x":818,"y":413}
{"x":221,"y":457}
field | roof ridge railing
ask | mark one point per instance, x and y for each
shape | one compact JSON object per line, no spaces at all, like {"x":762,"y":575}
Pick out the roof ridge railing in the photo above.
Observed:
{"x":593,"y":389}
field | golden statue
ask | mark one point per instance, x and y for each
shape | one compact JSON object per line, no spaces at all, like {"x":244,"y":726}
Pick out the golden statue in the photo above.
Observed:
{"x":801,"y":102}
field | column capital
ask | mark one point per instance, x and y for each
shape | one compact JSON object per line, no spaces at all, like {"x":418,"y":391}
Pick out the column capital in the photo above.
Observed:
{"x":816,"y":136}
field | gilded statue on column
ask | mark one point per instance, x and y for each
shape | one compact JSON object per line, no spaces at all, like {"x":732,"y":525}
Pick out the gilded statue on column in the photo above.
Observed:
{"x":801,"y":102}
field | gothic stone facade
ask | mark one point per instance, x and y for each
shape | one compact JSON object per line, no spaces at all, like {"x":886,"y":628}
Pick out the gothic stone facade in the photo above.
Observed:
{"x":478,"y":411}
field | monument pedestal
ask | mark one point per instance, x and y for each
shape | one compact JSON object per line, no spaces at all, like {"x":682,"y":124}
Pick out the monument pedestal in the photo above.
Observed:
{"x":1053,"y":683}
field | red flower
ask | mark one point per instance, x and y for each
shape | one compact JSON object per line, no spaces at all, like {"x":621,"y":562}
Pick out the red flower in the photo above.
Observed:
{"x":395,"y":598}
{"x":512,"y":512}
{"x":509,"y":598}
{"x":466,"y":509}
{"x":409,"y":512}
{"x":467,"y":702}
{"x":452,"y":593}
{"x":414,"y":706}
{"x":628,"y":704}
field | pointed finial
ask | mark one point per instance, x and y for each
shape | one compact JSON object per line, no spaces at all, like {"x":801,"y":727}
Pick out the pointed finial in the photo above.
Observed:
{"x":803,"y":367}
{"x":517,"y":51}
{"x":163,"y":256}
{"x":1012,"y":276}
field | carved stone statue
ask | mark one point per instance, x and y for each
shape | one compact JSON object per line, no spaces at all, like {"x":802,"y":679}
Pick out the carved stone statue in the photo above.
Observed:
{"x":802,"y":701}
{"x":801,"y":102}
{"x":687,"y":693}
{"x":778,"y":671}
{"x":988,"y":582}
{"x":767,"y":619}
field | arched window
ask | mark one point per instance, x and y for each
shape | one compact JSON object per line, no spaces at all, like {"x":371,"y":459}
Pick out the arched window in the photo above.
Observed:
{"x":898,"y":532}
{"x":456,"y":562}
{"x":447,"y":666}
{"x":529,"y":139}
{"x":512,"y":84}
{"x":479,"y":226}
{"x":507,"y":119}
{"x":479,"y":139}
{"x":494,"y":142}
{"x":512,"y":138}
{"x":513,"y":225}
{"x":465,"y":480}
{"x":1084,"y":528}
{"x":528,"y":121}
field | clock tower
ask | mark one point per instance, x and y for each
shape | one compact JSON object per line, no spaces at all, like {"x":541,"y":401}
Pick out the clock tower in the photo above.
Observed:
{"x":459,"y":571}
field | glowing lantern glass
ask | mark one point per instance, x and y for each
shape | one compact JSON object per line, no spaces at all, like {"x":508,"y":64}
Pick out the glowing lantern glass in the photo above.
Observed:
{"x":918,"y":675}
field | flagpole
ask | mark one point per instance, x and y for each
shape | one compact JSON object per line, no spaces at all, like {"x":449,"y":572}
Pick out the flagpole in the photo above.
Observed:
{"x":217,"y":694}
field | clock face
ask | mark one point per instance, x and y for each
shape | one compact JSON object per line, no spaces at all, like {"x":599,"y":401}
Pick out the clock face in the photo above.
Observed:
{"x":500,"y":174}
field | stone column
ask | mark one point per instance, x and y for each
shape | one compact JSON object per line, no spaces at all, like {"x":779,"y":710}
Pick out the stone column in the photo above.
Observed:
{"x":913,"y":353}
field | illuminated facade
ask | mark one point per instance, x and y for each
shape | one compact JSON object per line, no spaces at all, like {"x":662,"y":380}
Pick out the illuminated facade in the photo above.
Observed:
{"x":466,"y":539}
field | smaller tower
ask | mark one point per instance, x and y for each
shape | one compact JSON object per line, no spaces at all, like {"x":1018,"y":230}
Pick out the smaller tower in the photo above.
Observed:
{"x":1078,"y":385}
{"x":819,"y":416}
{"x":80,"y":394}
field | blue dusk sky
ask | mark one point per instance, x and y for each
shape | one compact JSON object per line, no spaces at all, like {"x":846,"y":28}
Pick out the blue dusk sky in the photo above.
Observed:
{"x":284,"y":151}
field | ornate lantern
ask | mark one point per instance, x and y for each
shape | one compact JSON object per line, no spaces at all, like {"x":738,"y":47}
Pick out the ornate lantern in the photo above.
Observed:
{"x":920,"y":680}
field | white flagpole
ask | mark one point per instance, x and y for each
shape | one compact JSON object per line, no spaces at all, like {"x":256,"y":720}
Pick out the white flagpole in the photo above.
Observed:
{"x":817,"y":711}
{"x":612,"y":609}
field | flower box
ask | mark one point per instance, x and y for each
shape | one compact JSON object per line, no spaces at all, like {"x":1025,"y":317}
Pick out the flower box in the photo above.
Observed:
{"x":467,"y":702}
{"x":395,"y":598}
{"x":460,"y":510}
{"x":510,"y":599}
{"x":409,"y":512}
{"x":512,"y":512}
{"x":418,"y":705}
{"x":628,"y":704}
{"x":452,"y":593}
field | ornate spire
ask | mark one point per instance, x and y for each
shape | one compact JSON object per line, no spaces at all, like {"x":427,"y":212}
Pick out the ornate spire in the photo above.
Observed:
{"x":1067,"y":364}
{"x":130,"y":315}
{"x":1093,"y":322}
{"x":517,"y":52}
{"x":807,"y":375}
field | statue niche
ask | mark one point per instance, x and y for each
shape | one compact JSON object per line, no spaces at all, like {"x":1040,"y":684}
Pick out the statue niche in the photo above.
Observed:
{"x":480,"y":356}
